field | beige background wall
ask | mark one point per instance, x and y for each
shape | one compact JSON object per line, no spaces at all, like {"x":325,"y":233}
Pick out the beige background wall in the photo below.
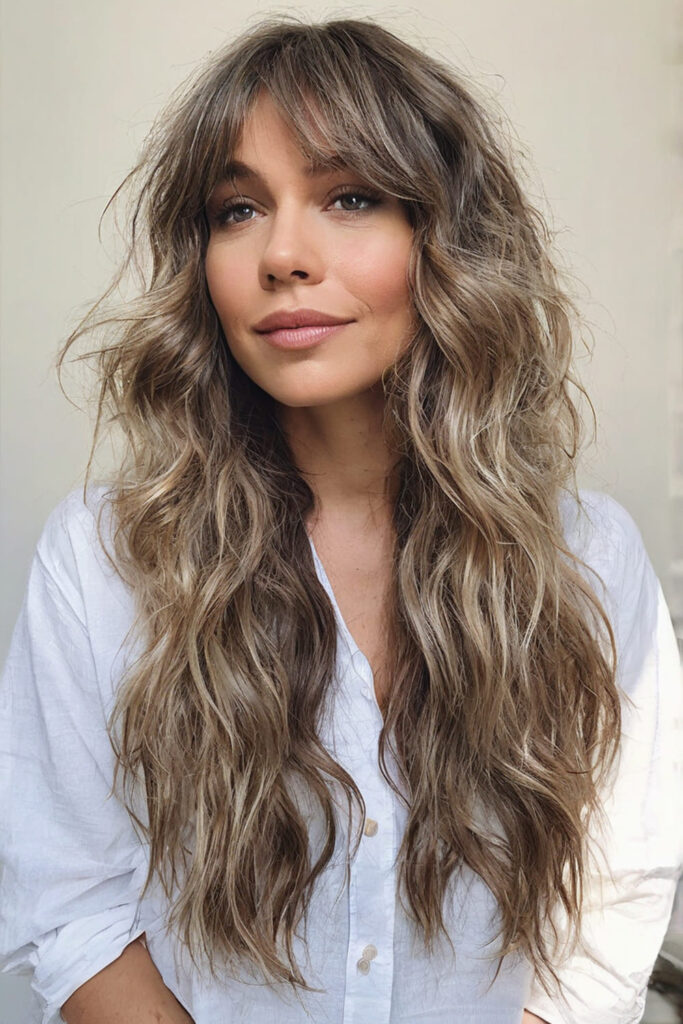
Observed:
{"x":589,"y":87}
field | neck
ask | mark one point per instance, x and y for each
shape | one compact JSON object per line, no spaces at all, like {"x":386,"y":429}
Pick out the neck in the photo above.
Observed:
{"x":340,"y":450}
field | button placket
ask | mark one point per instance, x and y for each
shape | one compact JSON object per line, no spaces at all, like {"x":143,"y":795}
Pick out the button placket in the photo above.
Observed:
{"x":368,"y":954}
{"x":369,"y":969}
{"x":372,"y":898}
{"x":371,"y":827}
{"x":371,"y":890}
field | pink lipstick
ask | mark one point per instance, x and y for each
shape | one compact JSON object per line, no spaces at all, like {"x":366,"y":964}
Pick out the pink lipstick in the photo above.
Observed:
{"x":301,"y":337}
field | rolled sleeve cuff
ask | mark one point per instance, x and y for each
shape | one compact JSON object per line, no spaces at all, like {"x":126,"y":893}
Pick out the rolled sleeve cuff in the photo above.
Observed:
{"x":71,"y":955}
{"x":574,"y":1010}
{"x":607,"y":980}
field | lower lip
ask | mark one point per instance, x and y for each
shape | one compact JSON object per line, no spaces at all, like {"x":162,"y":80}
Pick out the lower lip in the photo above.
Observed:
{"x":301,"y":337}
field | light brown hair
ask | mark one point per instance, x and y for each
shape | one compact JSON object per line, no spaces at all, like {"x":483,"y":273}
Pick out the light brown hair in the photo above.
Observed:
{"x":503,"y":692}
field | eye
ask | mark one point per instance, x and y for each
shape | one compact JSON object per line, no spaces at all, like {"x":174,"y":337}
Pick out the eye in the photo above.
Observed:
{"x":224,"y":215}
{"x":236,"y":211}
{"x":368,"y":196}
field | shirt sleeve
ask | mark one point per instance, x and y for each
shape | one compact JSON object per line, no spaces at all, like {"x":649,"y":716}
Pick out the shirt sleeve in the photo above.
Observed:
{"x":72,"y":863}
{"x":630,"y":888}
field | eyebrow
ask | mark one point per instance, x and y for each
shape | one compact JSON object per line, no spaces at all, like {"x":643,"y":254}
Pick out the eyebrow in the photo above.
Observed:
{"x":313,"y":169}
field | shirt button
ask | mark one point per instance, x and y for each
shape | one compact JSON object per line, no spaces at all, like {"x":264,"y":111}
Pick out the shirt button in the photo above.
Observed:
{"x":363,"y":965}
{"x":370,"y":952}
{"x":370,"y":827}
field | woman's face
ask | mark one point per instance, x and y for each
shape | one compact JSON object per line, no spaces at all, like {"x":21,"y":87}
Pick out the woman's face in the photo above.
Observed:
{"x":288,"y":240}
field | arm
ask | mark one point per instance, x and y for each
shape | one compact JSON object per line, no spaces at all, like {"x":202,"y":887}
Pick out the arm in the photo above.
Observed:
{"x":129,"y":991}
{"x":631,"y":880}
{"x":72,"y":865}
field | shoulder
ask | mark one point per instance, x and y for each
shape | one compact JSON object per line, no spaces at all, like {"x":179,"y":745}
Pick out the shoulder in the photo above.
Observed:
{"x":603,"y":535}
{"x":76,"y":512}
{"x":71,"y":526}
{"x":598,"y":529}
{"x":73,"y":545}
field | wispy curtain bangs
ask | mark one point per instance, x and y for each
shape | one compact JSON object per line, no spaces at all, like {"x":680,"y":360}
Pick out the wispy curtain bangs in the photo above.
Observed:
{"x":504,"y":714}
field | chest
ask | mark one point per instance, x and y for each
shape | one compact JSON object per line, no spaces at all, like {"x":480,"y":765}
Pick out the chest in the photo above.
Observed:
{"x":359,"y":573}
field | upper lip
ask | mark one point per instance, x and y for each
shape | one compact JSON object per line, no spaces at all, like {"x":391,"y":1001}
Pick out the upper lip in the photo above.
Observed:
{"x":298,"y":318}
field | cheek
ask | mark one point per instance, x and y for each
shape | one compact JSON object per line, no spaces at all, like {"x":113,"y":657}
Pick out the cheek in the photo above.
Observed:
{"x":224,"y":279}
{"x":213,"y":280}
{"x":380,"y":277}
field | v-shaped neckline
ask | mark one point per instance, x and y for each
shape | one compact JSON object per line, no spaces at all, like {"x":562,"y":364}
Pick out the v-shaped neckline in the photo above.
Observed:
{"x":353,"y":647}
{"x":354,"y":652}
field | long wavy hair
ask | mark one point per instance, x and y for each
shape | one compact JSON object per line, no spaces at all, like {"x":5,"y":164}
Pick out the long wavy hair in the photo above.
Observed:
{"x":503,"y":715}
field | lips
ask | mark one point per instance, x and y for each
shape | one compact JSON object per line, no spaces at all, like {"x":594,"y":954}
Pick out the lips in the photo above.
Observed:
{"x":298,"y":318}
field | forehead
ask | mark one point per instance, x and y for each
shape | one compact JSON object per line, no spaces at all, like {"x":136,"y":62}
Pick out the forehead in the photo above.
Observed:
{"x":237,"y":169}
{"x":268,"y":132}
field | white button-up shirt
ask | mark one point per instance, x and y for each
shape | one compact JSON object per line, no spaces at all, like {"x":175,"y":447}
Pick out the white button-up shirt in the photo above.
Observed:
{"x":73,"y":866}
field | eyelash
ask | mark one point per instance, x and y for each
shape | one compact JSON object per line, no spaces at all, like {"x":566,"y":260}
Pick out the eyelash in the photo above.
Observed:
{"x":369,"y":195}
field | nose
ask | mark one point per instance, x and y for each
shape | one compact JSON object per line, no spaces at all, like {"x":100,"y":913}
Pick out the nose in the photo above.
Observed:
{"x":292,"y":248}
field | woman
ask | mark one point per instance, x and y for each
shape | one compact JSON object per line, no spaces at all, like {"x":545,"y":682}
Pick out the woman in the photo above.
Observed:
{"x":385,"y":706}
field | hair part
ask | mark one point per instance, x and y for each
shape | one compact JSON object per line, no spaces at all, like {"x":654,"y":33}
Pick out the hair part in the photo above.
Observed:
{"x":504,"y":714}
